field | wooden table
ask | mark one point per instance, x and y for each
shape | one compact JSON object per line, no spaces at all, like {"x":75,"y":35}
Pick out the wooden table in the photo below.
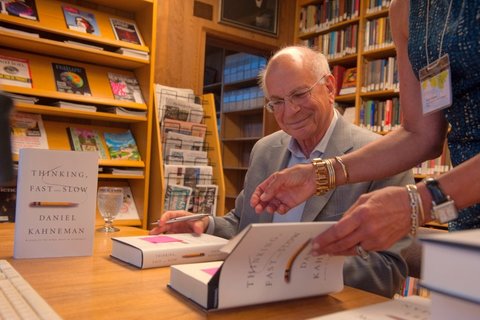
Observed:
{"x":99,"y":287}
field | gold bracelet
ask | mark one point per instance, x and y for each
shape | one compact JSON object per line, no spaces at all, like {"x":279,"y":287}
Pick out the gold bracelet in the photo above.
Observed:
{"x":325,"y":175}
{"x":412,"y":194}
{"x":344,"y":168}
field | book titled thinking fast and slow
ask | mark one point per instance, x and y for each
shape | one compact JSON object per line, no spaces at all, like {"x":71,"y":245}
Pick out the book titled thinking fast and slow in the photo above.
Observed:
{"x":55,"y":208}
{"x":266,"y":262}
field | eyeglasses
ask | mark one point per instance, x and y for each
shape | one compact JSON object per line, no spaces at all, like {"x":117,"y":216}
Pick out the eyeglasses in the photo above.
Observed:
{"x":297,"y":98}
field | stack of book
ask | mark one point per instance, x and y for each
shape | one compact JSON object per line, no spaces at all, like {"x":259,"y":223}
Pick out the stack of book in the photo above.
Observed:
{"x":450,"y":266}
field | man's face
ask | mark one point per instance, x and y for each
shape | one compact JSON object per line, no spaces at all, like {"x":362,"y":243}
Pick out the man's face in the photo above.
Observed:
{"x":310,"y":118}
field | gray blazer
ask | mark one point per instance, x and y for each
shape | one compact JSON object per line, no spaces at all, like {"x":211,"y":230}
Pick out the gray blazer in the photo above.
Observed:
{"x":384,"y":272}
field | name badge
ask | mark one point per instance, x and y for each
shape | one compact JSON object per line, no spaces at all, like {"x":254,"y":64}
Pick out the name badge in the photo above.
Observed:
{"x":436,"y":86}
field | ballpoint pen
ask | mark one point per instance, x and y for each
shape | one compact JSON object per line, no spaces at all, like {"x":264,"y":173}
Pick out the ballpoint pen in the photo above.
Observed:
{"x":192,"y":217}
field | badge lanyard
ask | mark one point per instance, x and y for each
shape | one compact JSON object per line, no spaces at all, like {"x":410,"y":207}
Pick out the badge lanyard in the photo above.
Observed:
{"x":436,"y":85}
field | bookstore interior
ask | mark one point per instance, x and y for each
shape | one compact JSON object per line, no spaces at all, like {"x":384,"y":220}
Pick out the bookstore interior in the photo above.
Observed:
{"x":115,"y":112}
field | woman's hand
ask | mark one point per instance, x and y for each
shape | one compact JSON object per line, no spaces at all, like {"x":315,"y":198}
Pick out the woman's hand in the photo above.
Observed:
{"x":196,"y":226}
{"x":285,"y":189}
{"x":375,"y":222}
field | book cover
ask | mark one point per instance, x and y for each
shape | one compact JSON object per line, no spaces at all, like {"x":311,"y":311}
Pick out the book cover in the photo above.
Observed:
{"x":349,"y":83}
{"x":266,"y":262}
{"x":27,"y":131}
{"x":125,"y":87}
{"x":446,"y":251}
{"x":8,"y":196}
{"x":122,"y":145}
{"x":128,"y":211}
{"x":56,"y":200}
{"x":20,"y":8}
{"x":71,"y":79}
{"x":80,"y":20}
{"x":82,"y":139}
{"x":15,"y":72}
{"x":165,"y":250}
{"x":126,"y":31}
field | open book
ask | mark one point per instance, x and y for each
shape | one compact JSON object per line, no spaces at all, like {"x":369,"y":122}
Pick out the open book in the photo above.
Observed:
{"x":266,"y":262}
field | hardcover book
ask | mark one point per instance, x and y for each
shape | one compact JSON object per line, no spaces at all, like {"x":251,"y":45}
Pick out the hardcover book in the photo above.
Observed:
{"x":71,"y":79}
{"x":80,"y":20}
{"x":82,"y":139}
{"x":15,"y":72}
{"x":122,"y":145}
{"x":20,"y":8}
{"x":125,"y":87}
{"x":56,"y":200}
{"x":463,"y":251}
{"x":164,"y":250}
{"x":126,"y":31}
{"x":27,"y":131}
{"x":349,"y":83}
{"x":266,"y":262}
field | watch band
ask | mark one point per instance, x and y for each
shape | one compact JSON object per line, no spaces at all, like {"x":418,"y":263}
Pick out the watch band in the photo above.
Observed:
{"x":437,"y":194}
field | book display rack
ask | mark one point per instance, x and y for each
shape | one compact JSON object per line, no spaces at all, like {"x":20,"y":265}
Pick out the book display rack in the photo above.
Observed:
{"x":72,"y":53}
{"x":186,"y":159}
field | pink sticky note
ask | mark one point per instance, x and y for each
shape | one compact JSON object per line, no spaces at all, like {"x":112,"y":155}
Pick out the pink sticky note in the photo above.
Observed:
{"x":161,"y":239}
{"x":210,"y":271}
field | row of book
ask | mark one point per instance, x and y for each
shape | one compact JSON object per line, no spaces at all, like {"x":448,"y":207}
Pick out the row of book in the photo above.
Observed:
{"x":380,"y":74}
{"x":243,"y":99}
{"x":380,"y":115}
{"x":76,"y":18}
{"x":337,"y":43}
{"x":318,"y":17}
{"x":242,"y":66}
{"x":188,"y":177}
{"x":28,"y":131}
{"x":378,"y":34}
{"x":16,"y":71}
{"x":377,"y":5}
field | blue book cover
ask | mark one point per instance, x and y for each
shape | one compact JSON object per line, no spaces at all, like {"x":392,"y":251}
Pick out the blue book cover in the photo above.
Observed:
{"x":121,"y":145}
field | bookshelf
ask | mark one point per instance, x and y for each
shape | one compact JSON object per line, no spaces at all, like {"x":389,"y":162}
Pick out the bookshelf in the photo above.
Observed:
{"x":352,"y":34}
{"x":231,"y":75}
{"x":356,"y":34}
{"x":97,"y":56}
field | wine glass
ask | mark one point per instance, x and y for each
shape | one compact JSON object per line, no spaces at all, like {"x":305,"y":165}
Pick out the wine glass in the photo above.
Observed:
{"x":110,"y":200}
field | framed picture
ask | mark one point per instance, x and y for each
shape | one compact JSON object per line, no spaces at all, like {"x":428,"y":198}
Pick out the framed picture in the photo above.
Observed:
{"x":255,"y":15}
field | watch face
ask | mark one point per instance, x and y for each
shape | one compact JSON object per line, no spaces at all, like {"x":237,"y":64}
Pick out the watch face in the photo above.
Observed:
{"x":445,"y":212}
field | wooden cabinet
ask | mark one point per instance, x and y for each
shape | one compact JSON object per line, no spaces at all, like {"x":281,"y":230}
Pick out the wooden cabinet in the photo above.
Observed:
{"x":98,"y":58}
{"x":231,"y":75}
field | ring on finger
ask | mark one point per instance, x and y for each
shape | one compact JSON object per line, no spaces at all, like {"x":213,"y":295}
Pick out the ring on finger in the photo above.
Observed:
{"x":361,"y":252}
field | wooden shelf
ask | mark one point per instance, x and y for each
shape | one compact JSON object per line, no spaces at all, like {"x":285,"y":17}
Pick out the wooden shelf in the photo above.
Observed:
{"x":50,"y":48}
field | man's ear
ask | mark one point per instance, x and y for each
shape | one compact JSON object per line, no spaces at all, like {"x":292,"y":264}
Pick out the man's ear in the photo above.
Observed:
{"x":330,"y":84}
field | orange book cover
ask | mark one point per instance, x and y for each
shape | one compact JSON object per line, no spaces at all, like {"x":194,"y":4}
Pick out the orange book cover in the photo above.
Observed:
{"x":349,"y":84}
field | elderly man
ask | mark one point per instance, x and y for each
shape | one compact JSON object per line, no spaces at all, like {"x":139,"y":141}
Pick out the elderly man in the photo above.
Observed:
{"x":301,"y":93}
